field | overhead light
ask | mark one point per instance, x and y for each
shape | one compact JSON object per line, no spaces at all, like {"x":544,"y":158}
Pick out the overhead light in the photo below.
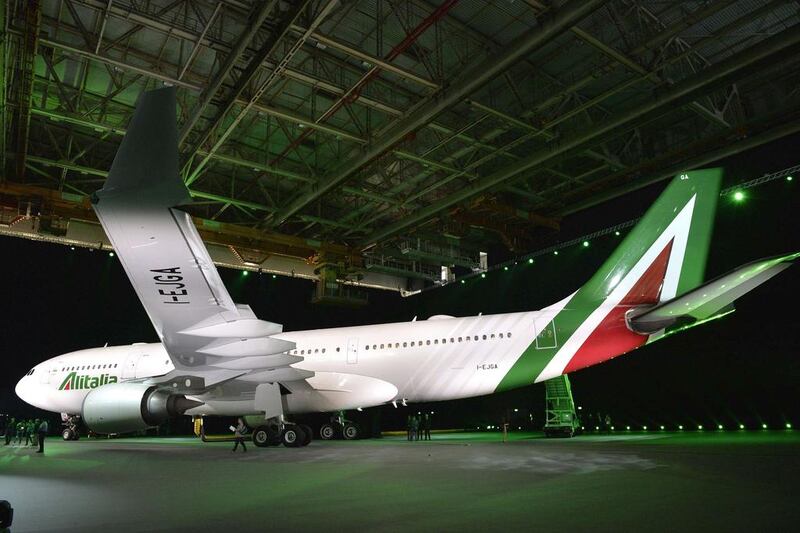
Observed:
{"x":530,"y":261}
{"x":585,"y":244}
{"x":738,"y":196}
{"x":555,"y":252}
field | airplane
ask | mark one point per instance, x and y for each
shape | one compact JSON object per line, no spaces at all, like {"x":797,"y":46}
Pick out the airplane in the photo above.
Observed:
{"x":215,"y":357}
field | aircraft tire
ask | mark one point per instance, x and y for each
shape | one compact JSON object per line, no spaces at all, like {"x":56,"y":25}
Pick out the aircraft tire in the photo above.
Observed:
{"x":293,"y":436}
{"x":350,"y":431}
{"x":262,"y":436}
{"x":68,"y":434}
{"x":309,"y":434}
{"x":327,"y":432}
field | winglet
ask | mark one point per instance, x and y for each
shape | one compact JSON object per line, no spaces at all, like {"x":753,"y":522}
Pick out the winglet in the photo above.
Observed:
{"x":146,"y":163}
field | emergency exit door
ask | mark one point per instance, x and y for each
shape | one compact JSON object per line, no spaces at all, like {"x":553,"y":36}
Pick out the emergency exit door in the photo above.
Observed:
{"x":352,"y":351}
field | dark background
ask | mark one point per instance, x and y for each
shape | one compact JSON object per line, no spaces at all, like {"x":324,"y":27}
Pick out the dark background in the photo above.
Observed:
{"x":742,"y":368}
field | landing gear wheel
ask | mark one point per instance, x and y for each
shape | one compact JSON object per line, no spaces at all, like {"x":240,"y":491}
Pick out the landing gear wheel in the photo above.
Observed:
{"x":68,"y":434}
{"x":309,"y":434}
{"x":327,"y":432}
{"x":293,"y":436}
{"x":264,"y":436}
{"x":350,"y":431}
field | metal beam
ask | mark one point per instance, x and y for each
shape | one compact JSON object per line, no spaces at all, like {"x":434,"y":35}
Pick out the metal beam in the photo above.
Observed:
{"x":471,"y":80}
{"x":210,"y":91}
{"x":680,"y":94}
{"x":269,"y":46}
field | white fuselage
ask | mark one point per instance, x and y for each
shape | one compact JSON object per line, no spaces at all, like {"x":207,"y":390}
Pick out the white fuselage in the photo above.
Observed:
{"x":437,"y":359}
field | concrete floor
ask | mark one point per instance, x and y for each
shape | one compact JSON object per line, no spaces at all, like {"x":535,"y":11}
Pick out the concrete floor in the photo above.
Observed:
{"x":733,"y":481}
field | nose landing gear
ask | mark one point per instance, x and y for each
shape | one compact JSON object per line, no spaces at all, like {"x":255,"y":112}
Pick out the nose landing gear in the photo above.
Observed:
{"x":70,"y":431}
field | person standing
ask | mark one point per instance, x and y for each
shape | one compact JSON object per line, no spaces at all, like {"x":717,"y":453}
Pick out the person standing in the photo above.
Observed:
{"x":42,"y":430}
{"x":408,"y":427}
{"x":238,"y":433}
{"x":35,"y":433}
{"x":414,"y":427}
{"x":11,"y":430}
{"x":426,"y":427}
{"x":608,"y":423}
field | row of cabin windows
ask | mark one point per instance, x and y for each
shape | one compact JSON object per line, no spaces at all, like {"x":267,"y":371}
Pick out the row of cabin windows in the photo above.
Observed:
{"x":411,"y":344}
{"x":88,"y":367}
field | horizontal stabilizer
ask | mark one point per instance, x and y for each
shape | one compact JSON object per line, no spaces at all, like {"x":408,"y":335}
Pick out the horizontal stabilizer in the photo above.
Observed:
{"x":710,"y":298}
{"x":249,"y":347}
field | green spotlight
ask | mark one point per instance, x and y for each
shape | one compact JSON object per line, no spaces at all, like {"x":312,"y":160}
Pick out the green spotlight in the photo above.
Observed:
{"x":741,"y":426}
{"x":763,"y":426}
{"x":719,"y":426}
{"x":483,"y":275}
{"x":462,"y":281}
{"x":530,"y":260}
{"x":680,"y":427}
{"x":505,"y":268}
{"x":628,"y":428}
{"x":789,"y":178}
{"x":612,"y":428}
{"x":585,"y":244}
{"x":245,"y":272}
{"x":644,"y":428}
{"x":597,"y":428}
{"x":738,"y":196}
{"x":662,"y":428}
{"x":700,"y":427}
{"x":555,"y":252}
{"x":274,"y":276}
{"x":788,"y":425}
{"x":616,"y":233}
{"x":110,"y":254}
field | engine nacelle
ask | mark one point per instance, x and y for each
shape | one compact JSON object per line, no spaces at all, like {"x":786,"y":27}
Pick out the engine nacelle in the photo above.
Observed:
{"x":122,"y":407}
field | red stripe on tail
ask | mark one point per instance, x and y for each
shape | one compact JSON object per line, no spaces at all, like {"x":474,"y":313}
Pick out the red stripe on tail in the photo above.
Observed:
{"x":612,"y":336}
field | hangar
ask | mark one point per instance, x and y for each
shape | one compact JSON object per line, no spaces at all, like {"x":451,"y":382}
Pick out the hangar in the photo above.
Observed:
{"x":381,"y":155}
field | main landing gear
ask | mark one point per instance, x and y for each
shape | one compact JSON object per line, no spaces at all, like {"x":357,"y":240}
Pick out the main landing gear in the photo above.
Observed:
{"x":338,"y":426}
{"x":275,"y":432}
{"x":70,"y":431}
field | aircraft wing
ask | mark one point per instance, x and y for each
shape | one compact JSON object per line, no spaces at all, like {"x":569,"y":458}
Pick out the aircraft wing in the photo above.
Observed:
{"x":709,"y":299}
{"x":209,"y":338}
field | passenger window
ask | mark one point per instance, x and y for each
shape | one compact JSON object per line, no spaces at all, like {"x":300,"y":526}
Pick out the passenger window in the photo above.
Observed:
{"x":381,"y":346}
{"x":323,"y":350}
{"x":476,"y":337}
{"x":412,"y":344}
{"x":337,"y":348}
{"x":316,"y":350}
{"x":374,"y":346}
{"x":452,"y":339}
{"x":501,"y":335}
{"x":508,"y":335}
{"x":302,"y":352}
{"x":367,"y":346}
{"x":397,"y":345}
{"x":405,"y":344}
{"x":459,"y":339}
{"x":492,"y":336}
{"x":428,"y":342}
{"x":484,"y":337}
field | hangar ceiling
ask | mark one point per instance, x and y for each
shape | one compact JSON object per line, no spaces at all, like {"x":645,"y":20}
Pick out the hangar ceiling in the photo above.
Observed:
{"x":386,"y":135}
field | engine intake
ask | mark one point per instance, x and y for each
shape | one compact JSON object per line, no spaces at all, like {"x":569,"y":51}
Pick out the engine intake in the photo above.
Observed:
{"x":123,"y":407}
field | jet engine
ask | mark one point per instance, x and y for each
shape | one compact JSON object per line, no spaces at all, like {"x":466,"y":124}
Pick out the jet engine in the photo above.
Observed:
{"x":122,"y":407}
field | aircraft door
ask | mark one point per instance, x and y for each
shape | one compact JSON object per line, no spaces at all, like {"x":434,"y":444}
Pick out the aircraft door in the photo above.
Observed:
{"x":131,"y":362}
{"x":44,"y":374}
{"x":352,"y":351}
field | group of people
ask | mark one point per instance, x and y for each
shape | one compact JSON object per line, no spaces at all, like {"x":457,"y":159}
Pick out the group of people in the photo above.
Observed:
{"x":33,"y":432}
{"x":419,"y":427}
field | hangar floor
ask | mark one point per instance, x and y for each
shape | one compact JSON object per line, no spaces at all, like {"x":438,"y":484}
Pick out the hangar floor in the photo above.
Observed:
{"x":722,"y":481}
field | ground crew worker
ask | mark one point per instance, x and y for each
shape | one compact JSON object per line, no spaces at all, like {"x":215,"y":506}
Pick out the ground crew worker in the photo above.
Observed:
{"x":35,"y":432}
{"x":42,"y":433}
{"x":608,"y":424}
{"x":11,"y":430}
{"x":414,"y":428}
{"x":408,"y":427}
{"x":239,"y":432}
{"x":20,"y":431}
{"x":426,"y":426}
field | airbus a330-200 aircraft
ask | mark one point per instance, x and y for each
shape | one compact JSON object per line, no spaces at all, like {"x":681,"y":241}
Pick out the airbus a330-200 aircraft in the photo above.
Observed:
{"x":216,"y":358}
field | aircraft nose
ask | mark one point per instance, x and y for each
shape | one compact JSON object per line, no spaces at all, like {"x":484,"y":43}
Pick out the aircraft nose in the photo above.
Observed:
{"x":22,"y":389}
